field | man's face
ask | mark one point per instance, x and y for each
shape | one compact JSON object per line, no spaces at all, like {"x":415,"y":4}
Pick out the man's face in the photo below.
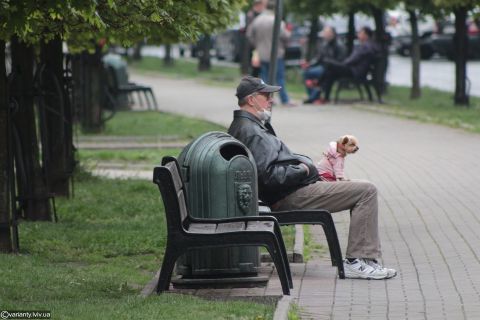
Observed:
{"x":262,"y":100}
{"x":259,"y":6}
{"x":362,"y":36}
{"x":328,"y":34}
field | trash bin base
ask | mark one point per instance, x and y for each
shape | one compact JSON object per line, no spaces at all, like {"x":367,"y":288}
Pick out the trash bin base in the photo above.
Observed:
{"x":181,"y":282}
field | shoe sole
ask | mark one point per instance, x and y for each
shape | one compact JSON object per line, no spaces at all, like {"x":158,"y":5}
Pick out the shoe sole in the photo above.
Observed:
{"x":350,"y":275}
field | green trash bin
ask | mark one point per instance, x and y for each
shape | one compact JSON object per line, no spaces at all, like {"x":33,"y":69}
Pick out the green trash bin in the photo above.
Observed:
{"x":220,"y":178}
{"x":119,"y":66}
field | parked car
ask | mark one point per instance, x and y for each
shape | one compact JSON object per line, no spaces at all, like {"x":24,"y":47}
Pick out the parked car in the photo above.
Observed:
{"x":440,"y":42}
{"x":295,"y":49}
{"x":443,"y":43}
{"x":403,"y":46}
{"x":398,"y":25}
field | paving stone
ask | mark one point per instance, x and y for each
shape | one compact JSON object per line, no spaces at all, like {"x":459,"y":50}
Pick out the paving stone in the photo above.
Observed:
{"x":429,"y":195}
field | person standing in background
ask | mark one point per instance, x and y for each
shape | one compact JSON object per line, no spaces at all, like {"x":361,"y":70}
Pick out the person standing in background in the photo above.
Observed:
{"x":260,"y":35}
{"x":258,"y":7}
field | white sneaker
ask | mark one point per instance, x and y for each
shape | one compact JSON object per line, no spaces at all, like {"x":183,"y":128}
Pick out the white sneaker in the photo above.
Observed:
{"x":374,"y":263}
{"x":359,"y":269}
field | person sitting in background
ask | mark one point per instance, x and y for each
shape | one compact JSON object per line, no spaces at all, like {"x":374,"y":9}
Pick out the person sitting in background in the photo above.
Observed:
{"x":356,"y":65}
{"x":330,"y":49}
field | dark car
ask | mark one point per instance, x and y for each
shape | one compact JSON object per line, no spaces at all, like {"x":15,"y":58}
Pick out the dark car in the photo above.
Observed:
{"x":441,"y":42}
{"x":295,"y":48}
{"x":403,"y":46}
{"x":444,"y":46}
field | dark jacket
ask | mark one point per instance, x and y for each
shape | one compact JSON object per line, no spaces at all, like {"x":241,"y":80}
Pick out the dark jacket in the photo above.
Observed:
{"x":329,"y":50}
{"x":361,"y":57}
{"x":279,"y":172}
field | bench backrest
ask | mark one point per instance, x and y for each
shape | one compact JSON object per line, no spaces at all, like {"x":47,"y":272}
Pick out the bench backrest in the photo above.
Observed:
{"x":168,"y":179}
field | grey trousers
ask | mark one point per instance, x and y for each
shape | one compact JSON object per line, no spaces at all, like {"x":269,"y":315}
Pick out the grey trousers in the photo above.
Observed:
{"x":360,"y":197}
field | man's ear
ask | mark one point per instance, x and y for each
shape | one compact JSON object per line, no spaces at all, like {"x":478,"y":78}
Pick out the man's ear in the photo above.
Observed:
{"x":250,"y":100}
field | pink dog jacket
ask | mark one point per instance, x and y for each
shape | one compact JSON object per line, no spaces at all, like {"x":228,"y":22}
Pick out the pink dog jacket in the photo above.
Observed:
{"x":330,"y":168}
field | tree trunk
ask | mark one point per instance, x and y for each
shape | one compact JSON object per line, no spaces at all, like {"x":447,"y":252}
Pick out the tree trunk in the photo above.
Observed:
{"x":91,"y":88}
{"x":383,"y":41}
{"x":168,"y":59}
{"x":461,"y":50}
{"x":8,"y":229}
{"x":312,"y":37}
{"x":204,"y":53}
{"x":351,"y":32}
{"x":33,"y":193}
{"x":137,"y":51}
{"x":415,"y":90}
{"x":245,"y":55}
{"x":54,"y":146}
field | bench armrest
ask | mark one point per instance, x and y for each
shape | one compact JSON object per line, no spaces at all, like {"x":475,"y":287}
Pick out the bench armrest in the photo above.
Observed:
{"x":234,"y":219}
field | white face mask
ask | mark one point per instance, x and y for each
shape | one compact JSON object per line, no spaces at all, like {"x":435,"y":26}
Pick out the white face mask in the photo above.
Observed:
{"x":263,"y":114}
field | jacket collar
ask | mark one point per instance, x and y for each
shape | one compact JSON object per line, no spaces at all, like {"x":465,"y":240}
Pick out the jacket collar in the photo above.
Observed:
{"x":245,"y":114}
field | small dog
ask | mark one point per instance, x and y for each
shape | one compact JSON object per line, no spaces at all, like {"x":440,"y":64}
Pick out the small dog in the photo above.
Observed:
{"x":330,"y":168}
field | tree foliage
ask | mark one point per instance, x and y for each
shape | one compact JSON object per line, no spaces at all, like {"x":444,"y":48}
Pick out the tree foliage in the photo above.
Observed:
{"x":365,"y":6}
{"x":451,"y":4}
{"x":310,"y":7}
{"x":122,"y":21}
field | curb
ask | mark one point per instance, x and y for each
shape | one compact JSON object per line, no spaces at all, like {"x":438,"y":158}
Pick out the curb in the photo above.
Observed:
{"x":150,"y":287}
{"x":283,"y":306}
{"x":298,"y":245}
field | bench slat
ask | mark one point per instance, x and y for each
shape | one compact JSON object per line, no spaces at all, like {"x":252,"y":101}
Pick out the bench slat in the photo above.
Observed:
{"x":231,"y":227}
{"x":202,"y":227}
{"x":260,"y":226}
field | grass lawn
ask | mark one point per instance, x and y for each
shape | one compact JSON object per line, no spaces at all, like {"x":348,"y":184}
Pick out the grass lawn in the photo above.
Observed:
{"x":435,"y":106}
{"x":93,"y":263}
{"x":154,"y":125}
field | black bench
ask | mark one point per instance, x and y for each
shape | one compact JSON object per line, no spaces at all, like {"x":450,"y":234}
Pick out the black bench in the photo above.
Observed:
{"x":312,"y":216}
{"x":371,"y":80}
{"x":115,"y":89}
{"x":186,"y":232}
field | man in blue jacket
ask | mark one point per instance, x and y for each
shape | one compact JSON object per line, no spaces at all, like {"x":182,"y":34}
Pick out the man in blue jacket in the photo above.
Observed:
{"x":288,"y":181}
{"x":356,"y":65}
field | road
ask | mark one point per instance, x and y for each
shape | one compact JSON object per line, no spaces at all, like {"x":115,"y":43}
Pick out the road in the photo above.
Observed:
{"x":436,"y":73}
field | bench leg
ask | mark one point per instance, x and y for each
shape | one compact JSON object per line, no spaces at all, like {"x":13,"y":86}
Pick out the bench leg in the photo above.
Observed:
{"x":379,"y":93}
{"x":275,"y":252}
{"x":155,"y":105}
{"x":369,"y":92}
{"x":337,"y":90}
{"x":168,"y":264}
{"x":334,"y":248}
{"x":359,"y":89}
{"x":283,"y":251}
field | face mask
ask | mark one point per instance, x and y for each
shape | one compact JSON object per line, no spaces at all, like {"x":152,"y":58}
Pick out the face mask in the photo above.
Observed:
{"x":263,"y":114}
{"x":266,"y":115}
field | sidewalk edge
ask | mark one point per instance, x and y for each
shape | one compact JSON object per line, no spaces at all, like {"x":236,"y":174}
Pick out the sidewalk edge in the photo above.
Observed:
{"x":283,"y":306}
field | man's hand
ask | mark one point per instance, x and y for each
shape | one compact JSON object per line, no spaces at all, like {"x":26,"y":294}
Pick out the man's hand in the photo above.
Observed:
{"x":304,"y":64}
{"x":306,"y":167}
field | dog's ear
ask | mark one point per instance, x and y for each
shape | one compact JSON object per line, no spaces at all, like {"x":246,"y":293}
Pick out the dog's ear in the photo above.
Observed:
{"x":345,"y":140}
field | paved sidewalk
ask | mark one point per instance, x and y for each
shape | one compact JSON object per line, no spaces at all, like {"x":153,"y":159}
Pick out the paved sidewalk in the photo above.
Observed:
{"x":429,"y":195}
